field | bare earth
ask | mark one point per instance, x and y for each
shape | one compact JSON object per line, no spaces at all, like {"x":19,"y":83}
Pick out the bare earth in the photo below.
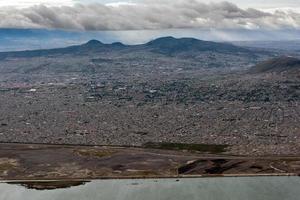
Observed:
{"x":59,"y":162}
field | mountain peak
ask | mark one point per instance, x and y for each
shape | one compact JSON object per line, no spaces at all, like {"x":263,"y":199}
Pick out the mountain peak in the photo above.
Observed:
{"x":167,"y":38}
{"x":118,"y":44}
{"x":170,"y":46}
{"x":170,"y":40}
{"x":93,"y":43}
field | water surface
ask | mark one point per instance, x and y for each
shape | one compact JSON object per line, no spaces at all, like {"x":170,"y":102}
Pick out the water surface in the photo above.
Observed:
{"x":238,"y":188}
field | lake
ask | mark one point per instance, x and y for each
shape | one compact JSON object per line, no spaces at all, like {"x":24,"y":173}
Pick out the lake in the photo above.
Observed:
{"x":231,"y":188}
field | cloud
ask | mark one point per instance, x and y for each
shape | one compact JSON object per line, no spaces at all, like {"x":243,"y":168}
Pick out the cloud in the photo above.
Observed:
{"x":28,"y":3}
{"x":148,"y":14}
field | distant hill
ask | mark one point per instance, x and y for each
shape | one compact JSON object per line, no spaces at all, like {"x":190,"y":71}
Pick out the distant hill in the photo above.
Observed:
{"x":167,"y":46}
{"x":171,"y":45}
{"x":92,"y":46}
{"x":279,"y":64}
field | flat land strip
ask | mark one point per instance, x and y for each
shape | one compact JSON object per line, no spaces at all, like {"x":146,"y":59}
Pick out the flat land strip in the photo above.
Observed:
{"x":61,"y":162}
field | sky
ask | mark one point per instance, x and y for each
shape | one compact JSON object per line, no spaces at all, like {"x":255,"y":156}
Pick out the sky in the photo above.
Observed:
{"x":137,"y":21}
{"x":92,"y":15}
{"x":259,"y":4}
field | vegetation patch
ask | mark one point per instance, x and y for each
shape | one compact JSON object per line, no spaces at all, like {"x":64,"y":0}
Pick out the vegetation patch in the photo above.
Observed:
{"x":7,"y":164}
{"x":95,"y":152}
{"x":208,"y":148}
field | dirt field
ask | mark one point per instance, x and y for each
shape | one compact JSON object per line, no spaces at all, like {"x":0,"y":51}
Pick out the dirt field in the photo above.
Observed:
{"x":56,"y":162}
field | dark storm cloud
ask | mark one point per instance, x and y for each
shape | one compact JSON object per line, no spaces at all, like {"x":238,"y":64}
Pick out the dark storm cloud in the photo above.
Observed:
{"x":147,"y":15}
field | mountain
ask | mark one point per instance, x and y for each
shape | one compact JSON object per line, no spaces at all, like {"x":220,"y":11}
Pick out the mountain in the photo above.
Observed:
{"x":171,"y":46}
{"x":92,"y":46}
{"x":167,"y":46}
{"x":279,"y":64}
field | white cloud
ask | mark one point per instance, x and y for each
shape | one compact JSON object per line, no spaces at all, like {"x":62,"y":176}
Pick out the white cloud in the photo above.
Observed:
{"x":147,"y":14}
{"x":28,"y":3}
{"x":258,"y":4}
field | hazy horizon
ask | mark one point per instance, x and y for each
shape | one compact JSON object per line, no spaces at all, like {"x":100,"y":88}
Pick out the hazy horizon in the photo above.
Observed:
{"x":29,"y":39}
{"x":32,"y":24}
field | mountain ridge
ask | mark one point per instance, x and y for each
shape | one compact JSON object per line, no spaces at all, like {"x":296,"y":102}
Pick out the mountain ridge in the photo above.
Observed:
{"x":165,"y":45}
{"x":170,"y":45}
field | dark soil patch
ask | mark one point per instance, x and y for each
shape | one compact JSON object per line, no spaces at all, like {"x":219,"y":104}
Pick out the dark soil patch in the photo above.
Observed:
{"x":207,"y":148}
